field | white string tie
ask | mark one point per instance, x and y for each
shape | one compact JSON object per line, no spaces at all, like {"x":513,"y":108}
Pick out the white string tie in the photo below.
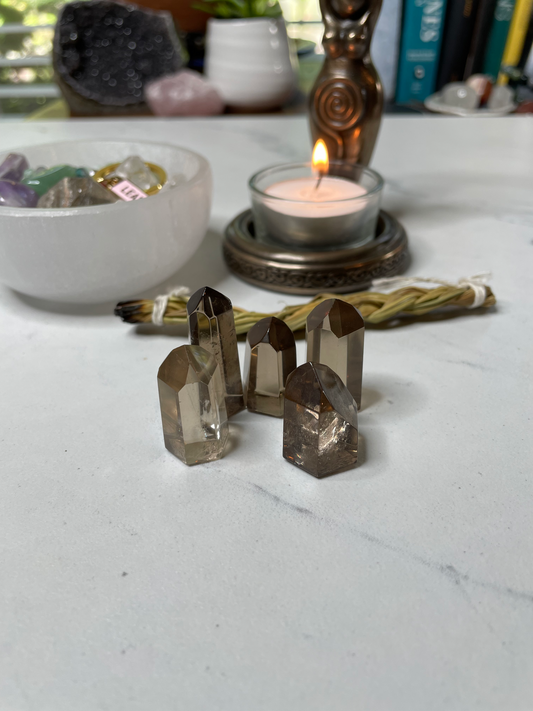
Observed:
{"x":161,"y":303}
{"x":477,"y":283}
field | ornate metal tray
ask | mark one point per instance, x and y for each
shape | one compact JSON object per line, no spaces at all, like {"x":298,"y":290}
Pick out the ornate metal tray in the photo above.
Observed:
{"x":297,"y":272}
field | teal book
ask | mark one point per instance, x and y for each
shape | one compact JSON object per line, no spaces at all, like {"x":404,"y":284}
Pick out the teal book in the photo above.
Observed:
{"x":503,"y":13}
{"x":422,"y":30}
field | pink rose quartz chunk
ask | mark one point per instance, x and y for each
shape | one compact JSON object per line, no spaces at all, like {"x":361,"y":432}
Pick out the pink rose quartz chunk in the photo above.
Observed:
{"x":186,"y":93}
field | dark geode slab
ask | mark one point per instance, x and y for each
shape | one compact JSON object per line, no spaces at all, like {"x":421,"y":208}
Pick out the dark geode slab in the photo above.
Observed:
{"x":105,"y":52}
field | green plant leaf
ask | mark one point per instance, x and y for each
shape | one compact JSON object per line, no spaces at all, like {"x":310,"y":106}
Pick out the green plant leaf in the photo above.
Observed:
{"x":231,"y":9}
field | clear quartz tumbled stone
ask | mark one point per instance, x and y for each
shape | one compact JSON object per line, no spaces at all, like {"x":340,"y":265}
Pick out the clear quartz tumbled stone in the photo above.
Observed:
{"x":335,"y":335}
{"x":137,"y":172}
{"x":320,"y":421}
{"x":270,"y":359}
{"x":193,"y":408}
{"x":212,"y":326}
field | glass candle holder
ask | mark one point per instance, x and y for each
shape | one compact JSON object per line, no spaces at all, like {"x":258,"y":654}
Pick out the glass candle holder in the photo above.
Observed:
{"x":293,"y":207}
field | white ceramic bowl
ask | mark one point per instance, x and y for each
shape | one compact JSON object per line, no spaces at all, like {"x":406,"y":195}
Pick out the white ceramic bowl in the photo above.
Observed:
{"x":107,"y":252}
{"x":249,"y":62}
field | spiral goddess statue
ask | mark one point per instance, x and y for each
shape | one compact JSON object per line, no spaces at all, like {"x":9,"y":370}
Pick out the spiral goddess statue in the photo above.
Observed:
{"x":347,"y":99}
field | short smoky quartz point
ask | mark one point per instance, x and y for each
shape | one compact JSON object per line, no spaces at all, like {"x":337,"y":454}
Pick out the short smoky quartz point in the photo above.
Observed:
{"x":335,"y":335}
{"x":212,"y":326}
{"x":270,"y":359}
{"x":193,"y":407}
{"x":320,"y":422}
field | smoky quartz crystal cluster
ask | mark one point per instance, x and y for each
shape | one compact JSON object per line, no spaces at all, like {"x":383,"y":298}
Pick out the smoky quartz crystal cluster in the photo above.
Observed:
{"x":200,"y":385}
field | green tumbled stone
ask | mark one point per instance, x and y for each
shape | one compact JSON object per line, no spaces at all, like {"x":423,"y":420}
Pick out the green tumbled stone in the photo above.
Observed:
{"x":44,"y":180}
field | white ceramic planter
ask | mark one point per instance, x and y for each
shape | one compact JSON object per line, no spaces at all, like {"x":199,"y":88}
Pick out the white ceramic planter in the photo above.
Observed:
{"x":250,"y":63}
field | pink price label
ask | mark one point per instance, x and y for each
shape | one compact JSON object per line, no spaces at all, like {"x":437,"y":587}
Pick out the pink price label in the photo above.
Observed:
{"x":128,"y":191}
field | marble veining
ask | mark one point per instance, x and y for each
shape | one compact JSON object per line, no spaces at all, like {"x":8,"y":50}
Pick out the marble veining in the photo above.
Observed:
{"x":405,"y":583}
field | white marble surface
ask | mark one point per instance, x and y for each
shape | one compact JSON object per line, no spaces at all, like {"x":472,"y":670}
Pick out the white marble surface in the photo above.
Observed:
{"x":130,"y":582}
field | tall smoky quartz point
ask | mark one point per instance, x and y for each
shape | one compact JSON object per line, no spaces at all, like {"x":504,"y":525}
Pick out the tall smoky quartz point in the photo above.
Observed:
{"x":193,"y":405}
{"x":320,"y":421}
{"x":212,"y":326}
{"x":335,"y":335}
{"x":270,"y":358}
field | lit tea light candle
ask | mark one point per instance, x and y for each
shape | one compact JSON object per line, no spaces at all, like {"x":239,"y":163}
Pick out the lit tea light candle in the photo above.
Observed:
{"x":311,"y":208}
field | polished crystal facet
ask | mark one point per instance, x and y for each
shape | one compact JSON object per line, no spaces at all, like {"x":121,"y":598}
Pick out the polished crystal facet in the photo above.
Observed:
{"x":335,"y":336}
{"x":212,"y":326}
{"x":13,"y":167}
{"x":77,"y":192}
{"x":137,"y":172}
{"x":320,"y":421}
{"x":193,"y":408}
{"x":270,"y":359}
{"x":17,"y":195}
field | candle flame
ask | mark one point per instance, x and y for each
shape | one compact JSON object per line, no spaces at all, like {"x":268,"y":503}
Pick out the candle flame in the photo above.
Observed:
{"x":320,"y":158}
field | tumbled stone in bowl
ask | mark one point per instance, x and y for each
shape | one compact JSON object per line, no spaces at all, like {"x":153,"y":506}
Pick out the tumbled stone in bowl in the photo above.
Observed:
{"x":13,"y":167}
{"x":137,"y":172}
{"x":17,"y":195}
{"x":43,"y":180}
{"x":77,"y":192}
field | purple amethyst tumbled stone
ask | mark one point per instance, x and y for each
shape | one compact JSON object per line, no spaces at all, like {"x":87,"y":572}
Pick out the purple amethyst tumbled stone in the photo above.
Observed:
{"x":13,"y":167}
{"x":17,"y":195}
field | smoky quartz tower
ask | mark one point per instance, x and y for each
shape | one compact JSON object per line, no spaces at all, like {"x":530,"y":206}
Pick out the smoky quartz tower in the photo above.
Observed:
{"x":270,"y":358}
{"x":212,"y":326}
{"x":193,"y":405}
{"x":320,"y":422}
{"x":335,"y":336}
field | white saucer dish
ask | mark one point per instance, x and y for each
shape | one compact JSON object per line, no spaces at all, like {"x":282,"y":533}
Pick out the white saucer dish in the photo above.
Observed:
{"x":435,"y":103}
{"x":111,"y":252}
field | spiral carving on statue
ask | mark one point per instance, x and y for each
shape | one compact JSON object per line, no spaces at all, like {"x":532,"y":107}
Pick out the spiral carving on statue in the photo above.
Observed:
{"x":338,"y":104}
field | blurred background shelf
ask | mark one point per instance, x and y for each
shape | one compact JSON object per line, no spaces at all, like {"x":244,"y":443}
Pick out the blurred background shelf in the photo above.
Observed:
{"x":27,"y":28}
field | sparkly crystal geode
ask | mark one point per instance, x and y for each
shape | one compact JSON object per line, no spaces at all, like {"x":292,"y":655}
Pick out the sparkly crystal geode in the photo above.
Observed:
{"x":335,"y":336}
{"x":193,"y":408}
{"x":212,"y":326}
{"x":105,"y":53}
{"x":320,"y":421}
{"x":76,"y":192}
{"x":270,"y":359}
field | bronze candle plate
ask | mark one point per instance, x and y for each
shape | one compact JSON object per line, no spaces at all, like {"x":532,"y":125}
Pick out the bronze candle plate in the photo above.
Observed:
{"x":301,"y":272}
